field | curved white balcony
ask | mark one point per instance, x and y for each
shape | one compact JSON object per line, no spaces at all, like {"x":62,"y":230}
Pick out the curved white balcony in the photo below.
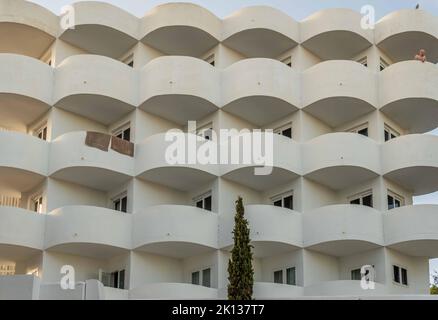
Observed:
{"x":181,"y":29}
{"x":84,"y":84}
{"x":21,"y":229}
{"x":339,"y":91}
{"x":172,"y":291}
{"x":26,"y":28}
{"x":340,"y":160}
{"x":88,"y":231}
{"x":335,"y":34}
{"x":408,"y":95}
{"x":157,"y":161}
{"x":260,"y":90}
{"x":274,"y":230}
{"x":27,"y":93}
{"x":71,"y":160}
{"x":23,"y":152}
{"x":179,"y":88}
{"x":169,"y":230}
{"x":413,"y":230}
{"x":412,"y":162}
{"x":281,"y":164}
{"x":260,"y":31}
{"x":102,"y":29}
{"x":341,"y":230}
{"x":340,"y":288}
{"x":402,"y":33}
{"x":267,"y":290}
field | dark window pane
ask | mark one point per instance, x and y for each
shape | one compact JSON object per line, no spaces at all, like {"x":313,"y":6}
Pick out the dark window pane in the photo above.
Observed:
{"x":404,"y":276}
{"x":195,"y":277}
{"x":368,"y":201}
{"x":396,"y":203}
{"x":390,"y":202}
{"x":206,"y":278}
{"x":355,"y":274}
{"x":127,"y":134}
{"x":124,"y":204}
{"x":199,"y":204}
{"x":396,"y":274}
{"x":386,"y":135}
{"x":289,"y":202}
{"x":290,"y":276}
{"x":207,"y":203}
{"x":287,"y":133}
{"x":278,"y":276}
{"x":277,"y":203}
{"x":122,"y":280}
{"x":393,"y":136}
{"x":363,"y":132}
{"x":115,"y":276}
{"x":117,"y":205}
{"x":355,"y":201}
{"x":131,"y":64}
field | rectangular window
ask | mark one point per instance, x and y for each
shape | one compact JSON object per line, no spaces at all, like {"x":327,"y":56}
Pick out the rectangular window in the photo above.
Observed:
{"x":204,"y":201}
{"x":206,"y":282}
{"x":285,"y":200}
{"x":195,"y":278}
{"x":206,"y":131}
{"x":394,"y":200}
{"x":278,"y":276}
{"x":355,"y":274}
{"x":123,"y":132}
{"x":287,"y":61}
{"x":291,"y":276}
{"x":365,"y":199}
{"x":41,"y":133}
{"x":390,"y":133}
{"x":129,"y":61}
{"x":363,"y":61}
{"x":210,"y":60}
{"x":285,"y":130}
{"x":400,"y":275}
{"x":383,"y":64}
{"x":120,"y":203}
{"x":37,"y":203}
{"x":361,"y":129}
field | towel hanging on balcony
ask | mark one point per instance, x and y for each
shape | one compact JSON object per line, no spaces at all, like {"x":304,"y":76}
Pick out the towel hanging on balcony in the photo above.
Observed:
{"x":122,"y":146}
{"x":98,"y":140}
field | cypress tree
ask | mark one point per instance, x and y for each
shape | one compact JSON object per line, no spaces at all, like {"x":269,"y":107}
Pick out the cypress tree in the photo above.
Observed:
{"x":240,"y":271}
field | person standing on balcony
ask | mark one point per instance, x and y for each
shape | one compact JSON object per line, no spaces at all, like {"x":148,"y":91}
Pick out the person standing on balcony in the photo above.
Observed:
{"x":421,"y":56}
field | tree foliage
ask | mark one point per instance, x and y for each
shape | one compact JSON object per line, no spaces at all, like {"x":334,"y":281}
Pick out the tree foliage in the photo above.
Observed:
{"x":240,"y":270}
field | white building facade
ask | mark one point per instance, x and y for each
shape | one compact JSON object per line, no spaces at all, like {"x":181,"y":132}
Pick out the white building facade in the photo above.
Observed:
{"x":349,"y":107}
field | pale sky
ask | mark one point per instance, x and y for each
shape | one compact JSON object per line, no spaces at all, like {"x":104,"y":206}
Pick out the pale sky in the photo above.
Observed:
{"x":298,"y":9}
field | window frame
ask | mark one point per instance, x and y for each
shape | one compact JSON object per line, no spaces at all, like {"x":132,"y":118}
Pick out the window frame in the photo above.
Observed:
{"x":35,"y":200}
{"x":42,"y":130}
{"x":287,"y":61}
{"x":200,"y":272}
{"x":395,"y":196}
{"x":360,"y":196}
{"x":391,"y":132}
{"x":280,"y":130}
{"x":203,"y":129}
{"x":211,"y":60}
{"x":129,"y":60}
{"x":400,"y":275}
{"x":360,"y":127}
{"x":201,"y":198}
{"x":119,"y":198}
{"x":121,"y":130}
{"x":281,"y":197}
{"x":383,"y":64}
{"x":363,"y":61}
